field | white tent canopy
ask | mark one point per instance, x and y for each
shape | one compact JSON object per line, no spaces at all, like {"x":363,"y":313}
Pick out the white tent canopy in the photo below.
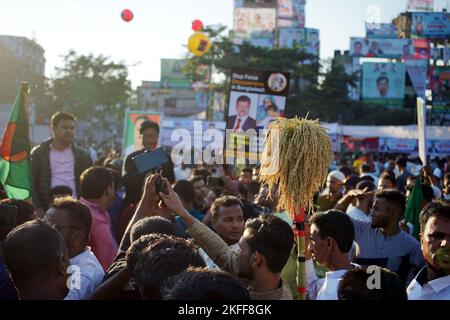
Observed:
{"x":397,"y":132}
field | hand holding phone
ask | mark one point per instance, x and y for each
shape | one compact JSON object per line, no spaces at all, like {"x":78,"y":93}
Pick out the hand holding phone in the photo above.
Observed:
{"x":214,"y":182}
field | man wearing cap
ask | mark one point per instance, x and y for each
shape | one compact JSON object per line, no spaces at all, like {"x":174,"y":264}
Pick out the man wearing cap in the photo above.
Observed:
{"x":333,"y":193}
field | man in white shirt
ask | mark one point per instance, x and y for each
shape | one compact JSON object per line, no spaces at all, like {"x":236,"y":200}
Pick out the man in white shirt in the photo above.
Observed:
{"x":433,"y":281}
{"x":331,"y":238}
{"x":73,"y":220}
{"x":362,"y":197}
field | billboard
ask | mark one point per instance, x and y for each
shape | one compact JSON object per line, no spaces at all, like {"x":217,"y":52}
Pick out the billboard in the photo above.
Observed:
{"x":249,"y":22}
{"x":133,"y":122}
{"x":256,"y":26}
{"x":422,"y":49}
{"x":394,"y":145}
{"x":312,"y":41}
{"x":440,"y":54}
{"x":291,"y":37}
{"x":384,"y":83}
{"x":172,"y":76}
{"x":381,"y":30}
{"x":382,"y":48}
{"x":291,"y":13}
{"x":435,"y":25}
{"x":439,"y":80}
{"x":420,"y":5}
{"x":418,"y":71}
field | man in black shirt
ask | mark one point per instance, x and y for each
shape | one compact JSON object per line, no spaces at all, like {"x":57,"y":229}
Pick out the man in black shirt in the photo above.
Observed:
{"x":132,"y":179}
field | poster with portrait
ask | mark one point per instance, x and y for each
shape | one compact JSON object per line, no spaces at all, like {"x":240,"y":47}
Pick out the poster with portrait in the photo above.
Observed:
{"x":133,"y":121}
{"x":382,"y":48}
{"x":249,"y":22}
{"x":422,"y":49}
{"x":291,"y":37}
{"x":256,"y":99}
{"x":291,"y":13}
{"x":381,"y":30}
{"x":384,"y":83}
{"x":439,"y":147}
{"x":433,"y":25}
{"x":394,"y":145}
{"x":417,"y":71}
{"x":439,"y":79}
{"x":420,"y":5}
{"x":172,"y":76}
{"x":312,"y":41}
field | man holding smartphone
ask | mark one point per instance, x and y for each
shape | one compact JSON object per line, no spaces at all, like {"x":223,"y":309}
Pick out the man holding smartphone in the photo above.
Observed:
{"x":134,"y":180}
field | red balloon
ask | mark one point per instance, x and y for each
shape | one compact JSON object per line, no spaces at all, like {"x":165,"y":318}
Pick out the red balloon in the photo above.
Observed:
{"x":127,"y":15}
{"x":197,"y":25}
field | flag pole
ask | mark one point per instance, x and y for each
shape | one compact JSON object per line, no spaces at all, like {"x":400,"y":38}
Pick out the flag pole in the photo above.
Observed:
{"x":299,"y":234}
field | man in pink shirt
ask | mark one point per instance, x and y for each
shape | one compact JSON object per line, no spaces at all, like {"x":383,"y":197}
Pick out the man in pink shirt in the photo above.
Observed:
{"x":98,"y":193}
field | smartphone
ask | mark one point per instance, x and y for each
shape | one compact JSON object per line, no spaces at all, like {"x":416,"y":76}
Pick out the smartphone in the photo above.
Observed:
{"x":150,"y":160}
{"x":8,"y":219}
{"x":214,"y":182}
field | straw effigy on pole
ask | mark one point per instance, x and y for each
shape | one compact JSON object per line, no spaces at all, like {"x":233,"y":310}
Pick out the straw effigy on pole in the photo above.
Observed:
{"x":296,"y":160}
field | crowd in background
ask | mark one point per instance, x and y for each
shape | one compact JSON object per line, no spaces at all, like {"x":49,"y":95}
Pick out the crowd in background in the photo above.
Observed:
{"x":215,"y":232}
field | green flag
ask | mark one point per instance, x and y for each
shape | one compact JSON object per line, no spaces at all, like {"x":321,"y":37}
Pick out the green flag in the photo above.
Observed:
{"x":15,"y":163}
{"x":414,"y":206}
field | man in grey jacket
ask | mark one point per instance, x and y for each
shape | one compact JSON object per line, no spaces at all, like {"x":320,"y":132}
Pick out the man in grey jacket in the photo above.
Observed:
{"x":57,"y":162}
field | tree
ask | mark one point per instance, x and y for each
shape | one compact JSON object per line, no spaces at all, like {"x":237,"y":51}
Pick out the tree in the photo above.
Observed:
{"x":87,"y":85}
{"x":327,"y":100}
{"x":224,"y":55}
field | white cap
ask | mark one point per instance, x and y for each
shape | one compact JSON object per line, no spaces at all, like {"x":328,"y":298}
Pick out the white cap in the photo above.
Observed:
{"x":337,"y":175}
{"x":437,"y":192}
{"x":437,"y":173}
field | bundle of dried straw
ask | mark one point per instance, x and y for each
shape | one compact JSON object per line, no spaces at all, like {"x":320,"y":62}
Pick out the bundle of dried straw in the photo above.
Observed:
{"x":296,"y":161}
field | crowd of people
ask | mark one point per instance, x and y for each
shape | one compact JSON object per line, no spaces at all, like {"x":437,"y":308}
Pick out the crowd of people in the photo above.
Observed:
{"x":103,"y":230}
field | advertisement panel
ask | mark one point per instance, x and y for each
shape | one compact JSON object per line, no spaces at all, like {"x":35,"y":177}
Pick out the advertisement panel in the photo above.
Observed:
{"x":172,"y":76}
{"x":440,"y":86}
{"x":291,"y":13}
{"x":435,"y":25}
{"x":384,"y":82}
{"x":382,"y":48}
{"x":420,"y":5}
{"x":312,"y":41}
{"x":249,"y":22}
{"x":291,"y":37}
{"x":393,"y":145}
{"x":381,"y":30}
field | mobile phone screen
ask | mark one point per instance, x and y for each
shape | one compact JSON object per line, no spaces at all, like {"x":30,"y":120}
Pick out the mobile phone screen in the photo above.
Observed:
{"x":150,"y":160}
{"x":214,"y":182}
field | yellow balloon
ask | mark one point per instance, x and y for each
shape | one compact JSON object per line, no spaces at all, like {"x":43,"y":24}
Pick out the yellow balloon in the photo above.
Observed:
{"x":199,"y":44}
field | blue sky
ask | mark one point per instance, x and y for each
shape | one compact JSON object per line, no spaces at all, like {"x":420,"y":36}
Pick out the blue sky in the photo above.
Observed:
{"x":160,"y":29}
